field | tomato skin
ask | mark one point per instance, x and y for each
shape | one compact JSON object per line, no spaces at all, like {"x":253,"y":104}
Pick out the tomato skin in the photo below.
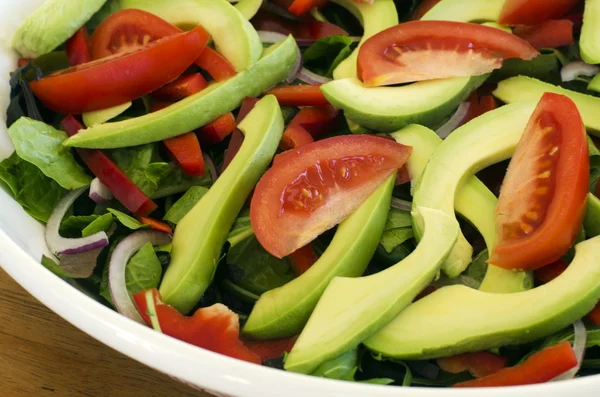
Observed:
{"x":156,"y":225}
{"x":531,"y":12}
{"x":186,"y":151}
{"x":215,"y":328}
{"x":424,"y":50}
{"x":115,"y":80}
{"x":531,"y":241}
{"x":478,"y":364}
{"x":310,"y":189}
{"x":78,"y":48}
{"x":181,"y":88}
{"x":299,"y":95}
{"x":548,"y":34}
{"x":219,"y":129}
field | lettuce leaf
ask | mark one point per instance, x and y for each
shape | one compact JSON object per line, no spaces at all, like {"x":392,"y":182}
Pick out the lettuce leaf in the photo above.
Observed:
{"x":126,"y":220}
{"x":143,"y":270}
{"x":185,"y":204}
{"x":325,"y":54}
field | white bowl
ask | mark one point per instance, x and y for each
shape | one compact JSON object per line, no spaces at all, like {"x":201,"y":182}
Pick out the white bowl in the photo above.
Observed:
{"x":22,"y":244}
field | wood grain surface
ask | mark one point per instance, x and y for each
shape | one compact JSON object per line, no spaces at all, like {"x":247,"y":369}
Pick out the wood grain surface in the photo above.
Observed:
{"x":43,"y":355}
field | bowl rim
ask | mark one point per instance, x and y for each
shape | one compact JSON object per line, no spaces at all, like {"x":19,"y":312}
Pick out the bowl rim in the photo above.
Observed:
{"x":197,"y":367}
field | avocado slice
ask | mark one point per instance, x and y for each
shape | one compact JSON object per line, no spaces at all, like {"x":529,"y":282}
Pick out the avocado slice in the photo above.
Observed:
{"x":96,"y":117}
{"x":196,"y":110}
{"x":465,"y":11}
{"x":200,"y":235}
{"x":591,"y":221}
{"x":52,"y":24}
{"x":248,"y":8}
{"x":352,"y":309}
{"x":594,"y":84}
{"x":523,"y":88}
{"x":474,"y":201}
{"x":374,"y":18}
{"x":458,"y":319}
{"x":588,"y":42}
{"x":388,"y":109}
{"x":283,"y":311}
{"x":487,"y":139}
{"x":233,"y":35}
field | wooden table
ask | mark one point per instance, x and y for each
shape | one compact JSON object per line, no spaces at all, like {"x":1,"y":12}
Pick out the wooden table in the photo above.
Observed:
{"x":43,"y":355}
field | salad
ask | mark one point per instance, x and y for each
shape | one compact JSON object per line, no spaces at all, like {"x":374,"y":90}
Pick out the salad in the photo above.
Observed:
{"x":279,"y":181}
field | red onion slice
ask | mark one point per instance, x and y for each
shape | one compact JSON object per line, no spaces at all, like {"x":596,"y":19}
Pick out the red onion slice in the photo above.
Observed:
{"x":309,"y":77}
{"x":118,"y":262}
{"x":210,"y":165}
{"x":297,"y":67}
{"x":579,"y":346}
{"x":572,"y":70}
{"x":401,"y":204}
{"x":100,"y":193}
{"x":60,"y":245}
{"x":454,"y":121}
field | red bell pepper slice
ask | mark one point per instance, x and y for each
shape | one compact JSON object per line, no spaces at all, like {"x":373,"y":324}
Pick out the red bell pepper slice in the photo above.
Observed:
{"x":478,"y":364}
{"x":403,"y":176}
{"x":541,"y":367}
{"x":215,"y":64}
{"x":271,"y":348}
{"x":78,"y":47}
{"x":22,"y":62}
{"x":156,"y":225}
{"x":110,"y":175}
{"x":302,"y":259}
{"x":478,"y":105}
{"x":218,"y":130}
{"x":317,"y":120}
{"x":548,"y":34}
{"x":300,"y":7}
{"x":295,"y":136}
{"x":183,"y":87}
{"x":186,"y":151}
{"x":299,"y":95}
{"x":215,"y":328}
{"x":237,"y":138}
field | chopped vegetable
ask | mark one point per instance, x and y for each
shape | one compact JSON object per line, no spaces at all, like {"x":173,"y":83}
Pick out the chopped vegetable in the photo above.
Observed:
{"x":299,"y":95}
{"x":78,"y":48}
{"x":186,"y":151}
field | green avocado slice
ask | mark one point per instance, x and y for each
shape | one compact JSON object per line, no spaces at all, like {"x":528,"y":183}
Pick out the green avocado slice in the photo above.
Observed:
{"x":200,"y":235}
{"x":474,"y":201}
{"x":487,"y":139}
{"x":388,"y":109}
{"x":458,"y":319}
{"x":374,"y":18}
{"x":465,"y":11}
{"x":248,"y":8}
{"x":588,"y":43}
{"x":233,"y":35}
{"x":522,"y":88}
{"x":52,"y":24}
{"x":283,"y":311}
{"x":591,"y":221}
{"x":196,"y":110}
{"x":352,"y":309}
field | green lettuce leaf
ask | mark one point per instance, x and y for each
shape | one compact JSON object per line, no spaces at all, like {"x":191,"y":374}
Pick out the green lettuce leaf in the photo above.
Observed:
{"x":241,"y":229}
{"x":41,"y":145}
{"x":73,"y":225}
{"x":126,"y":220}
{"x":100,"y":224}
{"x":143,"y":270}
{"x":325,"y":54}
{"x":33,"y":190}
{"x":185,"y":204}
{"x":398,"y":229}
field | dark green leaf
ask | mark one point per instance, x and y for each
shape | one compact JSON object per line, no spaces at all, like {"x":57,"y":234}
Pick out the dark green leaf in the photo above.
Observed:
{"x":325,"y":54}
{"x":185,"y":204}
{"x":544,"y":67}
{"x":33,"y":190}
{"x":176,"y":182}
{"x":73,"y":226}
{"x":143,"y":270}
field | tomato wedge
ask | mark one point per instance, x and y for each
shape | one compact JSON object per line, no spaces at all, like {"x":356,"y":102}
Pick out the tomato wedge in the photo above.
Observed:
{"x":424,"y":50}
{"x":313,"y":188}
{"x":120,"y":78}
{"x":478,"y":364}
{"x":531,"y":12}
{"x":542,"y":201}
{"x":186,"y":151}
{"x":549,"y":34}
{"x":215,"y":328}
{"x":299,"y":95}
{"x":181,"y":88}
{"x":541,"y":367}
{"x":78,"y":48}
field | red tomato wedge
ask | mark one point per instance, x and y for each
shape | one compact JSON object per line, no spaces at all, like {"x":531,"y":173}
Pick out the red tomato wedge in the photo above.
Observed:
{"x":219,"y":129}
{"x":271,"y":348}
{"x":299,"y":95}
{"x":215,"y":64}
{"x":120,"y":78}
{"x":542,"y":201}
{"x":186,"y":151}
{"x":110,"y":175}
{"x":478,"y":364}
{"x":313,"y":188}
{"x":300,"y":7}
{"x":424,"y":50}
{"x":181,"y":88}
{"x":155,"y":224}
{"x":78,"y":48}
{"x":215,"y":328}
{"x":531,"y":12}
{"x":549,"y":34}
{"x":541,"y":367}
{"x":302,"y":259}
